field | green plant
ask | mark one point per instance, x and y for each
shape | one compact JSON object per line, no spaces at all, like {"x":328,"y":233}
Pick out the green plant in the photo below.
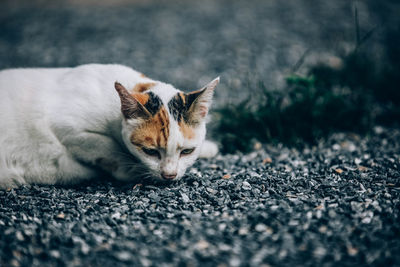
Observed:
{"x":301,"y":113}
{"x":362,"y":93}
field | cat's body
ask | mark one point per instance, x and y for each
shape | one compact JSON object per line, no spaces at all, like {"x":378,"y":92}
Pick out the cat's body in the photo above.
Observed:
{"x":64,"y":125}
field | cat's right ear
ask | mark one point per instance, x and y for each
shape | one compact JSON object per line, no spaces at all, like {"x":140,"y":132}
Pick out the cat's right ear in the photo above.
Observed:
{"x":131,"y":108}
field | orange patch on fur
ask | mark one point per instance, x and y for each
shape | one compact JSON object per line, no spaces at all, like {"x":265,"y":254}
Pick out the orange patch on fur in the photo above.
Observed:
{"x":182,"y":95}
{"x":142,"y":98}
{"x":186,"y":130}
{"x":141,"y":87}
{"x":154,"y":132}
{"x":142,"y":75}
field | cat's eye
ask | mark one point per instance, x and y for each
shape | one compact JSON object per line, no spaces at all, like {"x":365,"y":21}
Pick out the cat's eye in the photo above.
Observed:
{"x":151,"y":152}
{"x":187,"y":151}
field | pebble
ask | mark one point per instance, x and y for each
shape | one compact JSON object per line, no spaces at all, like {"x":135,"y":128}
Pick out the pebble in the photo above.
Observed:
{"x":123,"y":256}
{"x":246,"y":186}
{"x":226,"y":176}
{"x":260,"y":227}
{"x":185,"y":197}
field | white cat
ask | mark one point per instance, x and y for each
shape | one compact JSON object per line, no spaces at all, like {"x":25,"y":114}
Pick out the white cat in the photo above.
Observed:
{"x":64,"y":125}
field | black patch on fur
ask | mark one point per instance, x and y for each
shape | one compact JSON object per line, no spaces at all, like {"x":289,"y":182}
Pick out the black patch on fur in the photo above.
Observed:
{"x":177,"y":107}
{"x":154,"y":103}
{"x":190,"y":98}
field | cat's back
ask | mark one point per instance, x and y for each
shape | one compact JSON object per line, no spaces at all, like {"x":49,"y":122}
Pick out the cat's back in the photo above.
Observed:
{"x":61,"y":96}
{"x":23,"y":80}
{"x":40,"y":88}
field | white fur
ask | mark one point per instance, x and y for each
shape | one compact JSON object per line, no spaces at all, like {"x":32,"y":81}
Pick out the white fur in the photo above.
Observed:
{"x":57,"y":123}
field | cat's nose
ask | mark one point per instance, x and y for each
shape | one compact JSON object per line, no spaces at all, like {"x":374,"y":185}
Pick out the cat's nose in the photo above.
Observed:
{"x":169,"y":176}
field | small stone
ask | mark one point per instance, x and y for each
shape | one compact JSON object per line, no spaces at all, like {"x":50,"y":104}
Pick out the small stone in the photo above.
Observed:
{"x":335,"y":62}
{"x":243,"y":231}
{"x":274,"y":207}
{"x":309,"y":215}
{"x":246,"y":186}
{"x":254,"y":174}
{"x":318,"y":214}
{"x":123,"y":256}
{"x":19,"y":236}
{"x":332,"y":213}
{"x":222,"y":227}
{"x":224,"y":247}
{"x":136,"y":186}
{"x":226,"y":176}
{"x":366,"y":220}
{"x":213,"y":166}
{"x":336,"y":147}
{"x":319,"y":252}
{"x":85,"y":248}
{"x":202,"y":244}
{"x":211,"y":190}
{"x":55,"y":254}
{"x":352,"y":251}
{"x":234,"y":261}
{"x":116,"y":215}
{"x":257,"y":146}
{"x":158,"y":232}
{"x":145,"y":262}
{"x":319,"y":207}
{"x":260,"y":227}
{"x":17,"y":254}
{"x":322,"y":229}
{"x":185,"y":197}
{"x":339,"y":171}
{"x":362,"y":168}
{"x":351,"y":147}
{"x":378,"y":130}
{"x":14,"y":263}
{"x":267,"y":160}
{"x":60,"y":216}
{"x":138,"y":211}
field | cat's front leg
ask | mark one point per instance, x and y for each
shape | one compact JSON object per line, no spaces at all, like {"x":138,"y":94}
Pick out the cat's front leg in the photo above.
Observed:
{"x":103,"y":152}
{"x":10,"y":179}
{"x":208,"y":149}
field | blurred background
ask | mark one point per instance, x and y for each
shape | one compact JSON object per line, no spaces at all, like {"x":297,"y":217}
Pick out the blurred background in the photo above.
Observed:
{"x":291,"y":71}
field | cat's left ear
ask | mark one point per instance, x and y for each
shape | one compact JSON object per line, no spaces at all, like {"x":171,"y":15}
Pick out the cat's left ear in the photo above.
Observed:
{"x":199,"y":102}
{"x":130,"y":104}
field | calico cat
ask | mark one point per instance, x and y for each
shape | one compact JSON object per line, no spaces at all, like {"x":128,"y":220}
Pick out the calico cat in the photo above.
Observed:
{"x":64,"y":125}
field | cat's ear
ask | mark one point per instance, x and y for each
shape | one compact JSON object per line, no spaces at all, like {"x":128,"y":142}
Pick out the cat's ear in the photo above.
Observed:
{"x":199,"y":102}
{"x":130,"y":104}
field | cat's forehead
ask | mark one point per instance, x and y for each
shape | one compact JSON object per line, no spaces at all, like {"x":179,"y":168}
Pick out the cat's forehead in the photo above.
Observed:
{"x":165,"y":127}
{"x":164,"y":91}
{"x":154,"y":132}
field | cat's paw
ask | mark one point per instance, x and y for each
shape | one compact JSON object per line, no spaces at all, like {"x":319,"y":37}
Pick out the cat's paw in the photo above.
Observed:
{"x":208,"y":149}
{"x":8,"y":182}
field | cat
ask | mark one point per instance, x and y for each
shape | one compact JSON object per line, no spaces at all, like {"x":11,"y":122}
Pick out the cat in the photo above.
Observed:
{"x":67,"y":125}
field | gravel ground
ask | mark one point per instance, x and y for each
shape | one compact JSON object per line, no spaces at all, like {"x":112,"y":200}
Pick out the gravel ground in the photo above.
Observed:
{"x":333,"y":204}
{"x":336,"y":204}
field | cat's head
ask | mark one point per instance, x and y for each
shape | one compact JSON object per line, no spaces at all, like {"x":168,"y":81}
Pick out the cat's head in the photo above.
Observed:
{"x":164,"y":127}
